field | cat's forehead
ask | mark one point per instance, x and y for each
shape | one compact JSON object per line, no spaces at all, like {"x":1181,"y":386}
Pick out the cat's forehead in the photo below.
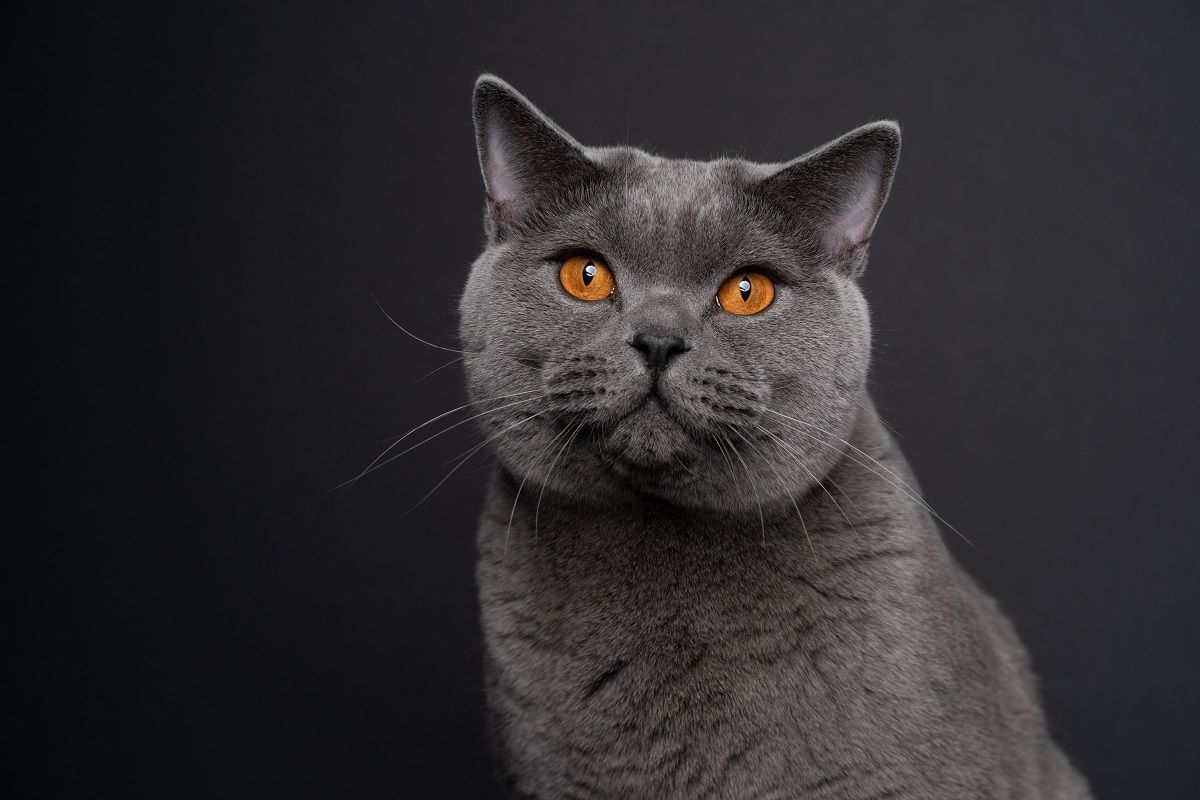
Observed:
{"x":689,"y":216}
{"x":668,"y":189}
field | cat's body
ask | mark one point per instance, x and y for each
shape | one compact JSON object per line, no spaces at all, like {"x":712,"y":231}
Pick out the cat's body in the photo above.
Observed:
{"x":708,"y":574}
{"x":640,"y":653}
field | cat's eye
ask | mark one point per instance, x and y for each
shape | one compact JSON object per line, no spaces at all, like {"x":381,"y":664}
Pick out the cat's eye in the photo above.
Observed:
{"x":586,"y":277}
{"x":746,"y":293}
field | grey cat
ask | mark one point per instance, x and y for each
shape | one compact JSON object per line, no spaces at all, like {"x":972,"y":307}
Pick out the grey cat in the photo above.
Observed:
{"x":704,"y":569}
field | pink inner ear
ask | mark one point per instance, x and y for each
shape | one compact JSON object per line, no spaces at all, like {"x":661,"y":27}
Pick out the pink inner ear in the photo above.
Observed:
{"x":501,"y":183}
{"x":851,"y":226}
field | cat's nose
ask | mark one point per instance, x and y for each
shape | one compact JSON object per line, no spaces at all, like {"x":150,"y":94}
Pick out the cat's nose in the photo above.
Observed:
{"x":658,"y":350}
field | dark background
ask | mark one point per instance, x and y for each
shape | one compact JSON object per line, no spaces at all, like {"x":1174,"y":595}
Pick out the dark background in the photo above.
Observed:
{"x":207,"y":199}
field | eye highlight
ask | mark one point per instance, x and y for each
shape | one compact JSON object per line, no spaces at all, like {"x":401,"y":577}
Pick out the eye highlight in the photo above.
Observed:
{"x":586,"y":278}
{"x":746,"y":293}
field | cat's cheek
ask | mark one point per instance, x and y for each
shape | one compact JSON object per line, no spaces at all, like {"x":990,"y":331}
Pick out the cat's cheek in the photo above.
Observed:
{"x":854,"y":356}
{"x":472,"y":309}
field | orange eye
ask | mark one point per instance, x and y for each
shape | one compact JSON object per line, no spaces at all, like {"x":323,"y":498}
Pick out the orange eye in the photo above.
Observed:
{"x":586,"y":277}
{"x":746,"y":293}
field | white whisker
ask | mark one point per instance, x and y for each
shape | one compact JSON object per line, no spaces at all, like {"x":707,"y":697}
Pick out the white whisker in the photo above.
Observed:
{"x":800,"y":462}
{"x":512,"y":512}
{"x":783,"y":485}
{"x":409,"y":333}
{"x":761,"y":520}
{"x":903,"y":485}
{"x":546,"y":479}
{"x":377,"y":462}
{"x":877,"y":416}
{"x":433,"y":371}
{"x":467,"y":458}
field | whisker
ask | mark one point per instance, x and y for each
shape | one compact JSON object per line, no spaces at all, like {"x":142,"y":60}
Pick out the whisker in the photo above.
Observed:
{"x":800,"y":463}
{"x":524,"y":478}
{"x":761,"y":520}
{"x":467,"y":458}
{"x":903,"y":485}
{"x":532,"y":360}
{"x":513,"y":512}
{"x":449,"y":363}
{"x":685,"y":467}
{"x":409,"y":333}
{"x":394,"y":439}
{"x":783,"y":485}
{"x":538,"y":510}
{"x":379,"y":460}
{"x":877,"y":416}
{"x":721,"y":447}
{"x":461,"y":353}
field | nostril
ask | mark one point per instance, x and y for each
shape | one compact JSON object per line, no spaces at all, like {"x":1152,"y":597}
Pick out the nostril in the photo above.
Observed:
{"x":658,"y":350}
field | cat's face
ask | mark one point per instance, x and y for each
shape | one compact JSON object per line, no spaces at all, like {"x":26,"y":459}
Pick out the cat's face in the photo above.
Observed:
{"x":593,"y":315}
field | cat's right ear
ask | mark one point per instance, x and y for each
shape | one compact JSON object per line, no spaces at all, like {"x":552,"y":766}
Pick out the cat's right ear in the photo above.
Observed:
{"x":527,"y":160}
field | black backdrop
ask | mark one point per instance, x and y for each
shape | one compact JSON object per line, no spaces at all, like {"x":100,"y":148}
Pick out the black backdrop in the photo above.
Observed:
{"x":209,"y":198}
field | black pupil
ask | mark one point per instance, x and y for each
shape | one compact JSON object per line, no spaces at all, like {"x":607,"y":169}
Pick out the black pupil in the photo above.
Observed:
{"x":589,"y":272}
{"x":744,"y":287}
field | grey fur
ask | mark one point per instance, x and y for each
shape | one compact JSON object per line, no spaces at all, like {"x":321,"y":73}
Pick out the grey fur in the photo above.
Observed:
{"x":684,"y":593}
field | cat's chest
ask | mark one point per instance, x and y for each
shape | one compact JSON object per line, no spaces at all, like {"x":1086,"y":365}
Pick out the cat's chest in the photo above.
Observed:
{"x":665,"y":613}
{"x":626,"y":628}
{"x":627,"y":650}
{"x":695,"y":664}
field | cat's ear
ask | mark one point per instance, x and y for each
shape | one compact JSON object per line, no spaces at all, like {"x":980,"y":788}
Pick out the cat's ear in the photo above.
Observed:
{"x":835,"y":193}
{"x":527,"y":160}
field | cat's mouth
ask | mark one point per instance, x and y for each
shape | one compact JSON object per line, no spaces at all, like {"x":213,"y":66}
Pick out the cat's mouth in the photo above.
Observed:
{"x":648,"y":443}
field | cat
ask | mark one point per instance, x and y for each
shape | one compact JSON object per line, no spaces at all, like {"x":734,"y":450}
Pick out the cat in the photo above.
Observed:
{"x":704,"y":568}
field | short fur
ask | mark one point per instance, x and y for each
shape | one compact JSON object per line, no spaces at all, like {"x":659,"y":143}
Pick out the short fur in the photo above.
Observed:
{"x":715,"y":579}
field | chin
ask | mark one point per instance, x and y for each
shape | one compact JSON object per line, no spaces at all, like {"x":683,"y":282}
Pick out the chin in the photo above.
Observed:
{"x":649,"y":438}
{"x":652,"y":453}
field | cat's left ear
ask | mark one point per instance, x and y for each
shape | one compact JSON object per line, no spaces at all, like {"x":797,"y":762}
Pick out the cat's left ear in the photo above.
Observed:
{"x":835,"y":193}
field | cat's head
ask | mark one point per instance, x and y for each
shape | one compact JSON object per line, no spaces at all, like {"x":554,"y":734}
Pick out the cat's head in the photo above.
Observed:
{"x":691,"y":331}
